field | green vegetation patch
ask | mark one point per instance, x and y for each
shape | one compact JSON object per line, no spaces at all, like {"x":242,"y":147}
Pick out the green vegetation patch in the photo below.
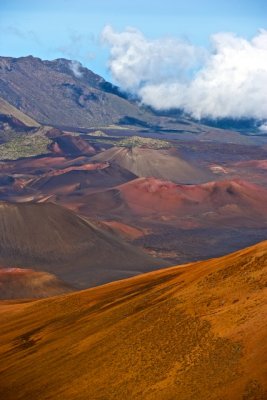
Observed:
{"x":137,"y":141}
{"x":24,"y":146}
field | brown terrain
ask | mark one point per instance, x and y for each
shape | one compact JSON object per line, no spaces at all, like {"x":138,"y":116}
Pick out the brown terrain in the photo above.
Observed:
{"x":67,"y":144}
{"x":176,"y":221}
{"x":254,"y":170}
{"x":74,"y":178}
{"x":196,"y":331}
{"x":159,"y":163}
{"x":21,"y":283}
{"x":47,"y":237}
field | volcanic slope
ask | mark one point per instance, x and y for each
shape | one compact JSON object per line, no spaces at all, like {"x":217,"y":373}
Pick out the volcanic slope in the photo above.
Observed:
{"x":70,"y":145}
{"x":230,"y":202}
{"x":51,"y":93}
{"x":88,"y":175}
{"x":47,"y":237}
{"x":194,"y":332}
{"x":21,"y":283}
{"x":163,"y":164}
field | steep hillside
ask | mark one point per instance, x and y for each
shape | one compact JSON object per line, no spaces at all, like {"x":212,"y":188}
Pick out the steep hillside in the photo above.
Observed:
{"x":194,"y":332}
{"x":49,"y":238}
{"x":52,"y":94}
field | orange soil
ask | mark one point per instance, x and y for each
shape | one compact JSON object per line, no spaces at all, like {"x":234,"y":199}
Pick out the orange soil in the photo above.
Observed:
{"x":192,"y":332}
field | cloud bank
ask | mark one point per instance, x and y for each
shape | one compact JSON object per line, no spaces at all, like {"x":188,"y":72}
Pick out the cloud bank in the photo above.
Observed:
{"x":227,"y":81}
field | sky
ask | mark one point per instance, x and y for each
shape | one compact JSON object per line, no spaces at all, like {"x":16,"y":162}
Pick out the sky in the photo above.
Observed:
{"x":152,"y":48}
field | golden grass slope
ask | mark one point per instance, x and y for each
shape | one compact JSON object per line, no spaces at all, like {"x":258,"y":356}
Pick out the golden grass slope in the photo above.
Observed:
{"x":8,"y":109}
{"x":189,"y":332}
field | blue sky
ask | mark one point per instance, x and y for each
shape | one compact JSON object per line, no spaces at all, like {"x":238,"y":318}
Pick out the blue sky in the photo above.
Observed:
{"x":66,"y":28}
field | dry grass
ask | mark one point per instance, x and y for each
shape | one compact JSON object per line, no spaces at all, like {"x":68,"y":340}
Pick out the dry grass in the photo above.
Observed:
{"x":8,"y":109}
{"x":191,"y":332}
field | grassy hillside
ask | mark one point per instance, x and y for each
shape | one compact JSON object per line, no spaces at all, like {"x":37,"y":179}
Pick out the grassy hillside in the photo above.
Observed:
{"x":194,"y":332}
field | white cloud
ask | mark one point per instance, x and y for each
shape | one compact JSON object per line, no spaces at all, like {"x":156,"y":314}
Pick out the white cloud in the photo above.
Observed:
{"x":136,"y":61}
{"x":228,"y":81}
{"x":75,"y":67}
{"x":263,"y":127}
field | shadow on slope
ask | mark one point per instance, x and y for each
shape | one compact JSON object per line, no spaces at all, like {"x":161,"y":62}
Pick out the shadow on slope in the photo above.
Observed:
{"x":50,"y":238}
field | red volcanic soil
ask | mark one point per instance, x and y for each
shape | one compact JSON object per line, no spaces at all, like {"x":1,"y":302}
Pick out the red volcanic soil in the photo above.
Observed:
{"x":18,"y":283}
{"x":149,"y":195}
{"x":84,"y":167}
{"x":231,"y":202}
{"x":33,"y":164}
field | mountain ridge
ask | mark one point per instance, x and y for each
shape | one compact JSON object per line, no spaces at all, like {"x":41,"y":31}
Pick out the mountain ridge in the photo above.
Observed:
{"x":48,"y":90}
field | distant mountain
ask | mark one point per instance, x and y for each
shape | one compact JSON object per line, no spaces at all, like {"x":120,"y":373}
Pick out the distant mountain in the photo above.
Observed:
{"x":76,"y":99}
{"x":53,"y":94}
